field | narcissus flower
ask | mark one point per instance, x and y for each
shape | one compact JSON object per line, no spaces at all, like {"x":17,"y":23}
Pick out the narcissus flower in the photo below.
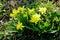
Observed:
{"x":14,"y":11}
{"x":43,"y":10}
{"x":12,"y":15}
{"x":20,"y":8}
{"x":19,"y":26}
{"x":26,"y":15}
{"x":35,"y":18}
{"x":31,"y":10}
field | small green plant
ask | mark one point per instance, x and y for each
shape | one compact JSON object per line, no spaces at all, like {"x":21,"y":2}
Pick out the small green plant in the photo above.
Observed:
{"x":43,"y":18}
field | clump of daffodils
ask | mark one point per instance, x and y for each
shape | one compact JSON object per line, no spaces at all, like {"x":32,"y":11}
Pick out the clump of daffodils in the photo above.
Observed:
{"x":19,"y":26}
{"x":35,"y":18}
{"x":43,"y":10}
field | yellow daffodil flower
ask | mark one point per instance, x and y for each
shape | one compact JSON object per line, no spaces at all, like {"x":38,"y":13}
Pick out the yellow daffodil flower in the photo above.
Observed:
{"x":12,"y":15}
{"x":43,"y":10}
{"x":26,"y":15}
{"x":35,"y":18}
{"x":15,"y":11}
{"x":20,"y":8}
{"x":19,"y":26}
{"x":31,"y":10}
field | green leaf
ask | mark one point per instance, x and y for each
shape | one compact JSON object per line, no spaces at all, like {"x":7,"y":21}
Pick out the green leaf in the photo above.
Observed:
{"x":46,"y":24}
{"x":10,"y":31}
{"x":53,"y":31}
{"x":56,"y":19}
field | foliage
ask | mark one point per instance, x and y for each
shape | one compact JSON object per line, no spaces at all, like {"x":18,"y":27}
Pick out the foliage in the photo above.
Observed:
{"x":1,"y":10}
{"x":43,"y":18}
{"x":37,"y":16}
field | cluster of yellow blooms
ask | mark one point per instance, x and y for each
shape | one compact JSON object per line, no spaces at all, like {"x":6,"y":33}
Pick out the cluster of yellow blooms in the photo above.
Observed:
{"x":14,"y":14}
{"x":35,"y":18}
{"x":19,"y":26}
{"x":43,"y":10}
{"x":14,"y":11}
